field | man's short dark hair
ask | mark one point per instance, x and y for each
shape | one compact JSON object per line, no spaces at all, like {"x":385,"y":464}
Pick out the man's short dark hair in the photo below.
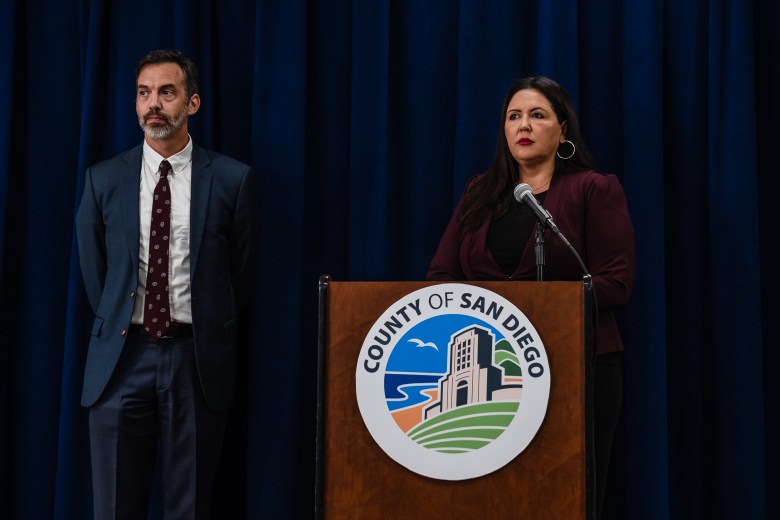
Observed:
{"x":169,"y":56}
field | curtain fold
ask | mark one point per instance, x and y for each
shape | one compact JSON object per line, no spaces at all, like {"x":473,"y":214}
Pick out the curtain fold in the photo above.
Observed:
{"x":643,"y":176}
{"x":736,"y":349}
{"x":364,"y":121}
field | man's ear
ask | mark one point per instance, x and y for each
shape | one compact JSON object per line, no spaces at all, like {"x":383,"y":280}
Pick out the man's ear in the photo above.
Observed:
{"x":193,"y":105}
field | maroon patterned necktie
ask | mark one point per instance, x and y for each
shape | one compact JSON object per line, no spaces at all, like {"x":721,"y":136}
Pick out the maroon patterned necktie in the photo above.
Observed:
{"x":157,"y":315}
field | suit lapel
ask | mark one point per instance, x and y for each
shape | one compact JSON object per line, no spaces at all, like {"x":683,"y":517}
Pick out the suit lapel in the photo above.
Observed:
{"x":201,"y":188}
{"x":130,"y":185}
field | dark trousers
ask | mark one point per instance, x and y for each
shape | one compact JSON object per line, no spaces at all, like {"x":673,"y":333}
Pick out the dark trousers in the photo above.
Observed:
{"x":608,"y":401}
{"x":154,"y":400}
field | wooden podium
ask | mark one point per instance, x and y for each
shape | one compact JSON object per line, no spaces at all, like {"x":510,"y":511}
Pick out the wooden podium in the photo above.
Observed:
{"x":550,"y":479}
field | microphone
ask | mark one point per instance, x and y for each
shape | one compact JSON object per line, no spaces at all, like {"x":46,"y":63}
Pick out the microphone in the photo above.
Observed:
{"x":524,"y":193}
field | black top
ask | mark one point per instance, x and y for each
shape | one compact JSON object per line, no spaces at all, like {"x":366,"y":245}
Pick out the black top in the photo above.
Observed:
{"x":509,"y":234}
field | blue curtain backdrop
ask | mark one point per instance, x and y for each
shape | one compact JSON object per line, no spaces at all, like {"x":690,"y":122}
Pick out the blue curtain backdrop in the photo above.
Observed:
{"x":364,"y":120}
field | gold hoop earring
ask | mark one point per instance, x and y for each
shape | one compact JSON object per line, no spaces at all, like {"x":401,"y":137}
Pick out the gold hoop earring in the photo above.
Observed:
{"x":573,"y":149}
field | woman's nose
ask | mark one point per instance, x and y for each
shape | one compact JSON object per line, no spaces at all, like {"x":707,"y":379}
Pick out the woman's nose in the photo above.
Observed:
{"x":525,"y":124}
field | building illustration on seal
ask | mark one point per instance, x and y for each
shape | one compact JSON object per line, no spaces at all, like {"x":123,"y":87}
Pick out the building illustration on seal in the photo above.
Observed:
{"x":471,"y":376}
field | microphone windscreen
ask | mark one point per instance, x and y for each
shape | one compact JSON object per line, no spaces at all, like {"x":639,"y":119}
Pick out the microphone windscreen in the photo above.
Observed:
{"x":521,"y":190}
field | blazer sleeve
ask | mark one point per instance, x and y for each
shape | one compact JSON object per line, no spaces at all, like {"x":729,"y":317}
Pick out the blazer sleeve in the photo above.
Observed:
{"x":445,"y":264}
{"x":91,"y":238}
{"x":610,"y":242}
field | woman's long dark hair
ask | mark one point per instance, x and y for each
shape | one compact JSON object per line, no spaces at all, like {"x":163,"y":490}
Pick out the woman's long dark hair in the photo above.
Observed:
{"x":491,"y":193}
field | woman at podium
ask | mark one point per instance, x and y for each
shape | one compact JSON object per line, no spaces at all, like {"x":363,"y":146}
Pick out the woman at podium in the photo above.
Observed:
{"x":495,"y":232}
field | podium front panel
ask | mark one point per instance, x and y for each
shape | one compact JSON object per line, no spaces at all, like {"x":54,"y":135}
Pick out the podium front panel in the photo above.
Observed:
{"x":547,"y":480}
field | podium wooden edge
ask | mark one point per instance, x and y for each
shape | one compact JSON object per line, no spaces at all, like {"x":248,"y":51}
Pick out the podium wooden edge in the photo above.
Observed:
{"x":589,"y":321}
{"x":322,"y":320}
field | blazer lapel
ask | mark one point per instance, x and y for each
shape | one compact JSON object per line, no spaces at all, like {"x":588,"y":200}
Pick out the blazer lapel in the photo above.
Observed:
{"x":201,"y":188}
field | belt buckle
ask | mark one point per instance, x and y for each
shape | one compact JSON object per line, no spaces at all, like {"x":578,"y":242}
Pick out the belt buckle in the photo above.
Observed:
{"x":175,"y":330}
{"x":168,"y":333}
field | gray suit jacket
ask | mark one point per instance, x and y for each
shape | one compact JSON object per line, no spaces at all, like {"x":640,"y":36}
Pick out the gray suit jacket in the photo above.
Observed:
{"x":221,"y":232}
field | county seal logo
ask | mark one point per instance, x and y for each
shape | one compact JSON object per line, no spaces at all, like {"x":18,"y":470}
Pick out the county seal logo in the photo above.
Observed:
{"x":453,"y":381}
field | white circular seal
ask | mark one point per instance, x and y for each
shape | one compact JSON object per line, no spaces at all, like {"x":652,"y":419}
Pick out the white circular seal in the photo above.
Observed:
{"x":453,"y":381}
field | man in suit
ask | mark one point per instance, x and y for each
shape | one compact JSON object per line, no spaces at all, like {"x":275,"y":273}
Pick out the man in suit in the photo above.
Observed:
{"x":161,"y":364}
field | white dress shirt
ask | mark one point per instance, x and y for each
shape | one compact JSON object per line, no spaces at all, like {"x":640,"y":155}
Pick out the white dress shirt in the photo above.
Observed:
{"x":180,"y":182}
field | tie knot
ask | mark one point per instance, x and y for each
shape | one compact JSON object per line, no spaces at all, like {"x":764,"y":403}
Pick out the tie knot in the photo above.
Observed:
{"x":165,"y":168}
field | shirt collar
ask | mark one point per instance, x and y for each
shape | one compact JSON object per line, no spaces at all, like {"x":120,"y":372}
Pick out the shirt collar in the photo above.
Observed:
{"x":178,"y":161}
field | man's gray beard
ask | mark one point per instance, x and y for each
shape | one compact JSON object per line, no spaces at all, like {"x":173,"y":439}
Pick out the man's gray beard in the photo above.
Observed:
{"x":166,"y":130}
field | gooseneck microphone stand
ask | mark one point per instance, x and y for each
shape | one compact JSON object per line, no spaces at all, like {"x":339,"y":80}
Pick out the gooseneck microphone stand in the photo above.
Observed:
{"x":539,"y":250}
{"x":524,"y":193}
{"x":541,"y":262}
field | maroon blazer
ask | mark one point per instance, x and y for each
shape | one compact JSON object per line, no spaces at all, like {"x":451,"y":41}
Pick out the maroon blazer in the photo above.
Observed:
{"x":590,"y":210}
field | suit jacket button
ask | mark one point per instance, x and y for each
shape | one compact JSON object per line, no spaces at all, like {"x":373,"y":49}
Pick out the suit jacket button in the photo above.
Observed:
{"x":124,"y":332}
{"x":132,"y":294}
